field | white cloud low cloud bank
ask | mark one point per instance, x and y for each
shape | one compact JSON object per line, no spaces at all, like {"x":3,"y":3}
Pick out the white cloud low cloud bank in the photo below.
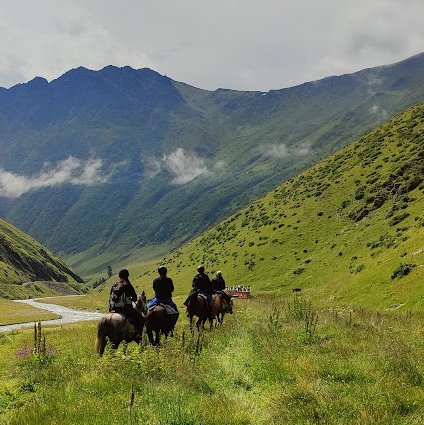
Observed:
{"x":69,"y":171}
{"x":280,"y":150}
{"x":183,"y":165}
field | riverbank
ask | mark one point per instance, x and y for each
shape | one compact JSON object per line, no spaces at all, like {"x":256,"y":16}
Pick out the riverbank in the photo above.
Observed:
{"x":48,"y":314}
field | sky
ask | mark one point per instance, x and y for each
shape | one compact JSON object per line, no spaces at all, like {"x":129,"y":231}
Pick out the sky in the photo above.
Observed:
{"x":238,"y":44}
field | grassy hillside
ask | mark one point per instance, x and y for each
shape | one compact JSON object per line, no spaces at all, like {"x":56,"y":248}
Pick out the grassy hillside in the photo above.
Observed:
{"x":260,"y":368}
{"x":136,"y":122}
{"x":24,"y":262}
{"x":348,"y":230}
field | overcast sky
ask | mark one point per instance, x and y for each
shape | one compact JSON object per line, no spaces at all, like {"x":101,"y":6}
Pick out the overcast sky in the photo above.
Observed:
{"x":240,"y":44}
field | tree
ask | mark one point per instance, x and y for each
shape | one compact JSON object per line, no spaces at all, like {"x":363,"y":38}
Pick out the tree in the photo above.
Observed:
{"x":109,"y":271}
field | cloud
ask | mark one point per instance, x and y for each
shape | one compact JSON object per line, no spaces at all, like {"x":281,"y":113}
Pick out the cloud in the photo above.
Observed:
{"x":280,"y":150}
{"x":259,"y":45}
{"x":152,"y":165}
{"x":69,"y":171}
{"x":274,"y":150}
{"x":51,"y":38}
{"x":184,"y":166}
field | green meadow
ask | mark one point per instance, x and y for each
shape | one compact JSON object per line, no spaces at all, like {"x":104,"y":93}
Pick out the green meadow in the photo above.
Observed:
{"x":270,"y":363}
{"x":348,"y":232}
{"x":21,"y":313}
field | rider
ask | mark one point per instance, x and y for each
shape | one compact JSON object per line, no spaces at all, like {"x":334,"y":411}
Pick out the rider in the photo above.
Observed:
{"x":163,"y":287}
{"x":218,"y":282}
{"x":202,"y":285}
{"x":122,"y":295}
{"x":218,"y":285}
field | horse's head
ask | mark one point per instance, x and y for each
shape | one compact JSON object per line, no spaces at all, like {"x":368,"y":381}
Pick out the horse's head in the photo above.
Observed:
{"x":141,"y":303}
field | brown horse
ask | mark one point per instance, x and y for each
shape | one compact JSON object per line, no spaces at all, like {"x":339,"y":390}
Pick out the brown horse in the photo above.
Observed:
{"x":117,"y":328}
{"x":157,"y":320}
{"x":219,"y":306}
{"x":197,"y":306}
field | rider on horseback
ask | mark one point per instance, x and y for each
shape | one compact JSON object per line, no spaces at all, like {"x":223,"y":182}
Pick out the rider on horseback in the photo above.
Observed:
{"x":218,"y":285}
{"x":202,"y":285}
{"x":122,"y":295}
{"x":163,"y":287}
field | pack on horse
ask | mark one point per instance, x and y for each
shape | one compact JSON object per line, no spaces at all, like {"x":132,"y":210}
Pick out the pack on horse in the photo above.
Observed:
{"x":117,"y":328}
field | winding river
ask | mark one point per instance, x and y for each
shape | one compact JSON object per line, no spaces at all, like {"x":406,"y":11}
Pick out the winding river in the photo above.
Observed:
{"x":68,"y":315}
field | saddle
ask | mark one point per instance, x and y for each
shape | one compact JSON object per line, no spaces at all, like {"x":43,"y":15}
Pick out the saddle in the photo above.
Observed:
{"x":169,"y":309}
{"x":202,"y":296}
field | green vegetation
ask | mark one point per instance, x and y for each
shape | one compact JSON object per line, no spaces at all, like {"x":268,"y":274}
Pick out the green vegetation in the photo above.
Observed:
{"x":349,"y":232}
{"x":23,"y":259}
{"x":11,"y":312}
{"x":260,"y":368}
{"x":316,"y":233}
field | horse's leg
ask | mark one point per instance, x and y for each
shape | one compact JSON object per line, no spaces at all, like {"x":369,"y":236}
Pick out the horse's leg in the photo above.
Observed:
{"x":150,"y":336}
{"x":157,"y":338}
{"x":100,"y":345}
{"x":191,"y":324}
{"x":199,"y":322}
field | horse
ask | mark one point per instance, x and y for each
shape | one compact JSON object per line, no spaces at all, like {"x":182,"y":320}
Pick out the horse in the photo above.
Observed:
{"x":197,"y":306}
{"x":117,"y":328}
{"x":219,"y":306}
{"x":157,"y":320}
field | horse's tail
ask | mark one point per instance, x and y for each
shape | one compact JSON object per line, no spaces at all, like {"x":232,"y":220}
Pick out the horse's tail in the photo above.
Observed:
{"x":101,"y":336}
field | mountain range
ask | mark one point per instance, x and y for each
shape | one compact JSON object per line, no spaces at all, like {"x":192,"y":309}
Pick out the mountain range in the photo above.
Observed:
{"x":98,"y":165}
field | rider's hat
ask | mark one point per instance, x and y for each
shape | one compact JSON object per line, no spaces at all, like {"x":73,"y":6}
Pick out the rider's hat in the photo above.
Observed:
{"x":201,"y":268}
{"x":162,"y":269}
{"x":219,"y":273}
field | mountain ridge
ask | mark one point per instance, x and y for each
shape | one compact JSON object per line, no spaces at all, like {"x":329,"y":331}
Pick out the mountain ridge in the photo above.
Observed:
{"x":232,"y":146}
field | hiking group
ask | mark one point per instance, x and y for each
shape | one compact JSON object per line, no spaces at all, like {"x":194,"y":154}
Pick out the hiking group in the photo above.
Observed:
{"x":129,"y":313}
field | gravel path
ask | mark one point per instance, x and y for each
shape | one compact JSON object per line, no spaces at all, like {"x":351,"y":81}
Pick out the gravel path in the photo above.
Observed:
{"x":68,"y":315}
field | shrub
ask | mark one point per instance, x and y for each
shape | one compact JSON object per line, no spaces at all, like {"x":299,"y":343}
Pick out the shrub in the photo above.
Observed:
{"x":402,"y":270}
{"x":360,"y":192}
{"x":398,"y":218}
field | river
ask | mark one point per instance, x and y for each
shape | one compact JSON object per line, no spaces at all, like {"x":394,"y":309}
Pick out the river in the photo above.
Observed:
{"x":68,"y":315}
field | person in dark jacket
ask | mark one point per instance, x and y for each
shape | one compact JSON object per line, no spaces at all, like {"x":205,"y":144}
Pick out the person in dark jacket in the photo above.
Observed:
{"x":163,"y":287}
{"x":122,"y":295}
{"x":202,"y":283}
{"x":218,"y":282}
{"x":218,"y":285}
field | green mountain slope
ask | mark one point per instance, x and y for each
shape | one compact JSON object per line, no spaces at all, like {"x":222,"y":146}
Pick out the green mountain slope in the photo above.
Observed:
{"x":348,"y":230}
{"x":22,"y":259}
{"x":146,"y":129}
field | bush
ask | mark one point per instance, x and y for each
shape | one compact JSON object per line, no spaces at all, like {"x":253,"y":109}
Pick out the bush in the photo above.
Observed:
{"x":398,"y":218}
{"x":402,"y":270}
{"x":360,"y":192}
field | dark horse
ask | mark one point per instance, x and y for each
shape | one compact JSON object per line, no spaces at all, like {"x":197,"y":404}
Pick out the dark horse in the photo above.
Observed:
{"x":197,"y":306}
{"x":157,"y":320}
{"x":219,"y":306}
{"x":117,"y":328}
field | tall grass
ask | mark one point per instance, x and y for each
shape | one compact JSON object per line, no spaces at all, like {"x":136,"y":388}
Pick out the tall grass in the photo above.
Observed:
{"x":259,"y":368}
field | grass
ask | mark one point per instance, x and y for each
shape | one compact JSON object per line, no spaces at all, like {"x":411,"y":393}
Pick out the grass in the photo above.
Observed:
{"x":259,"y":368}
{"x":317,"y":233}
{"x":22,"y":259}
{"x":12,"y":312}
